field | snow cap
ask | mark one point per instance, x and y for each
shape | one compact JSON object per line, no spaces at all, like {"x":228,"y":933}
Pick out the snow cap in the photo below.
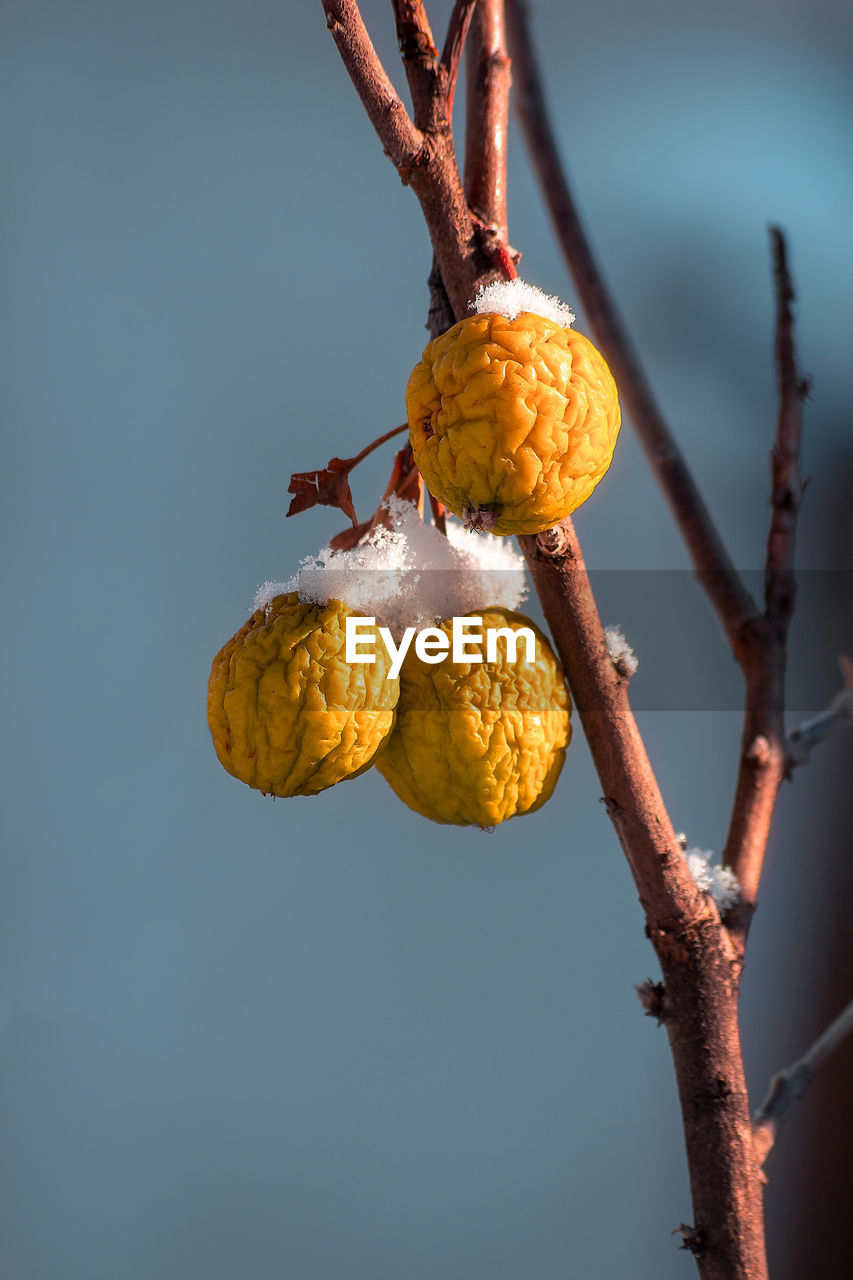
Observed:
{"x":510,"y":297}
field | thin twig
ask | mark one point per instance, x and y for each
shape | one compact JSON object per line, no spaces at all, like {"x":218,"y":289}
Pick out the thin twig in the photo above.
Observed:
{"x":787,"y":484}
{"x":838,"y":715}
{"x":764,"y":756}
{"x":715,"y":570}
{"x":374,"y":444}
{"x":788,"y":1087}
{"x":457,"y":29}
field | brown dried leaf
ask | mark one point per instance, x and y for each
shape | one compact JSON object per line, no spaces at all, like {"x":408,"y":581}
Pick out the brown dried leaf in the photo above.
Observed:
{"x":328,"y":487}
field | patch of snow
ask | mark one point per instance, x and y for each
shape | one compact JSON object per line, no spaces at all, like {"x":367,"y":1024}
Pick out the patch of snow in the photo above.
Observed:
{"x":510,"y":297}
{"x":620,"y":651}
{"x":411,"y":575}
{"x":719,"y":882}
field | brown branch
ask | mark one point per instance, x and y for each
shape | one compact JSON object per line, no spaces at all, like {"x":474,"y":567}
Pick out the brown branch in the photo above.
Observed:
{"x":457,"y":29}
{"x":788,"y":1087}
{"x":420,"y":59}
{"x":487,"y":118}
{"x":761,"y":771}
{"x":631,"y":794}
{"x":764,"y":754}
{"x":403,"y":143}
{"x":374,"y":444}
{"x":698,"y":963}
{"x":787,"y":484}
{"x":731,"y":600}
{"x":425,"y":161}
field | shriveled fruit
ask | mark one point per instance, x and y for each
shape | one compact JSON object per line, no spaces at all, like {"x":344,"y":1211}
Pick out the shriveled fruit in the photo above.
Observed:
{"x":478,"y":742}
{"x":288,"y":714}
{"x":512,"y":422}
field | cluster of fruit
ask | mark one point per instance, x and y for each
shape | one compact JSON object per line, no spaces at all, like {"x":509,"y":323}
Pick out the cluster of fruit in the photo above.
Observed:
{"x":460,"y":742}
{"x":513,"y":417}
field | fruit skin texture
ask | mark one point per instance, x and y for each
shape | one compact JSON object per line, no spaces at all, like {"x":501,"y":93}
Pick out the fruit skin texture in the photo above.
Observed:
{"x":288,"y":715}
{"x":478,"y":742}
{"x":512,"y":422}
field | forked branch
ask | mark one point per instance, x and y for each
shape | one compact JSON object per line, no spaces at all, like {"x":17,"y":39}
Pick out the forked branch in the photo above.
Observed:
{"x":424,"y":158}
{"x":764,"y":758}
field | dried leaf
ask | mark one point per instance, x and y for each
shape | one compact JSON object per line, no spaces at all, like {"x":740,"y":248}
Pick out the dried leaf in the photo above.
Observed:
{"x":327,"y":488}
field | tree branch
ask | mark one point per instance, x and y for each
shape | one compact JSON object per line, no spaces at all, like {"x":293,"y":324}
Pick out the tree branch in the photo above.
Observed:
{"x":787,"y":484}
{"x":486,"y":120}
{"x":838,"y":715}
{"x":788,"y":1087}
{"x":457,"y":29}
{"x":420,"y":59}
{"x":764,"y":758}
{"x":399,"y":137}
{"x":731,"y":600}
{"x":631,"y":793}
{"x":698,"y":962}
{"x":425,"y":161}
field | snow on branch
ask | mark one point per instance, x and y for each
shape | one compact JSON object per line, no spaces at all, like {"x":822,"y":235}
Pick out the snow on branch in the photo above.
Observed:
{"x":719,"y":882}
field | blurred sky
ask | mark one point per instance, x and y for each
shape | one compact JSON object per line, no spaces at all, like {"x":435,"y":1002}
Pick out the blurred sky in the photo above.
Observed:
{"x":321,"y":1037}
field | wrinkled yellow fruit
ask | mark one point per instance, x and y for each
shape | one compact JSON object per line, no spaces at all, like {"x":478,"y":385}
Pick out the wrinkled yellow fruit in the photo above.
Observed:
{"x":512,"y":422}
{"x":288,"y":714}
{"x":478,"y":742}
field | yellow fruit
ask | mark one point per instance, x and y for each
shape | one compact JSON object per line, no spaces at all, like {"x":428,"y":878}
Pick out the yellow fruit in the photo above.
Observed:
{"x":512,"y":422}
{"x":288,"y":714}
{"x":478,"y":742}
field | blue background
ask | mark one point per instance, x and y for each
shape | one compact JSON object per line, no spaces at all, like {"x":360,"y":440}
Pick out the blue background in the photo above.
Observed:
{"x":322,"y":1038}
